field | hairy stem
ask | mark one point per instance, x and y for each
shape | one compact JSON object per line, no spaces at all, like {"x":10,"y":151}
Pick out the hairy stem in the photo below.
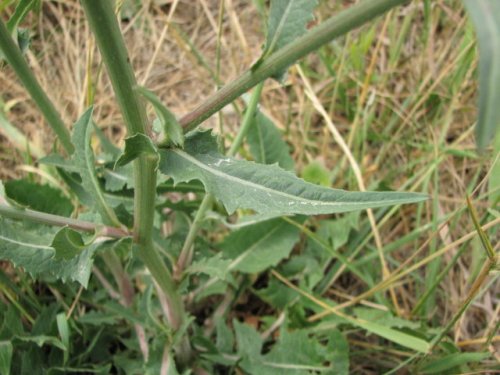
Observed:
{"x":334,"y":27}
{"x":109,"y":39}
{"x":15,"y":58}
{"x":60,"y":221}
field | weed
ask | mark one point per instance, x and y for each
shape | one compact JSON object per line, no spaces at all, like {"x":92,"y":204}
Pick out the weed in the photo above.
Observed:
{"x":222,"y":264}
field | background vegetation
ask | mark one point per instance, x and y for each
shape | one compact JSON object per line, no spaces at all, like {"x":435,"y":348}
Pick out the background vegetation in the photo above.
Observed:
{"x":400,"y":93}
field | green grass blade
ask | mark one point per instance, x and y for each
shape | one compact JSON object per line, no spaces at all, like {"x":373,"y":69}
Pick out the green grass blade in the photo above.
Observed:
{"x":485,"y":15}
{"x":14,"y":57}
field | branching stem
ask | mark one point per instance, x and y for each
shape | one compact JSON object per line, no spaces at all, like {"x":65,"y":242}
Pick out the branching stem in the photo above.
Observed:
{"x":335,"y":26}
{"x":60,"y":221}
{"x":104,"y":25}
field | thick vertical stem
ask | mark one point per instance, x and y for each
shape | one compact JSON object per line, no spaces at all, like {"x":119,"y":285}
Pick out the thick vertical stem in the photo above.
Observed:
{"x":109,"y":39}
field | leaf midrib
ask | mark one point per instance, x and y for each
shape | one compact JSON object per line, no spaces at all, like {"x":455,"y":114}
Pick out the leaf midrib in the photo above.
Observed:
{"x":25,"y":243}
{"x":280,"y":27}
{"x":298,"y":198}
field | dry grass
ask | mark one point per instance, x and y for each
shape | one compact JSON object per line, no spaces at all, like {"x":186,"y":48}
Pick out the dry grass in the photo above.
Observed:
{"x":408,"y":120}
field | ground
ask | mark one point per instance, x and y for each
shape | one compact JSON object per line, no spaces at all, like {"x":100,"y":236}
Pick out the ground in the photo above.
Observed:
{"x":400,"y":93}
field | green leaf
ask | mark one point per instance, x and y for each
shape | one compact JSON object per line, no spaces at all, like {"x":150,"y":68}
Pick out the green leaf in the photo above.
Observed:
{"x":12,"y":324}
{"x":277,"y":294}
{"x":119,"y":178}
{"x":258,"y":247}
{"x":83,"y":159}
{"x":266,"y":189}
{"x":42,"y":340}
{"x":138,"y":144}
{"x":247,"y":220}
{"x":67,"y":244}
{"x":38,"y":197}
{"x":30,"y":248}
{"x":6,"y":351}
{"x":336,"y":231}
{"x":339,"y":349}
{"x":448,"y":362}
{"x":316,"y":173}
{"x":58,"y":161}
{"x":74,"y":182}
{"x":485,"y":15}
{"x":225,"y":338}
{"x":401,"y":338}
{"x":214,"y":267}
{"x":288,"y":20}
{"x":266,"y":143}
{"x":64,"y":333}
{"x":106,"y":145}
{"x":170,"y":130}
{"x":295,"y":353}
{"x":249,"y":345}
{"x":385,"y":318}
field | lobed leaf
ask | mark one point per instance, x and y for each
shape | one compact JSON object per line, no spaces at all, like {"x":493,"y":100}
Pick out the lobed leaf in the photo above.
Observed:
{"x":295,"y":352}
{"x":485,"y":15}
{"x":215,"y":266}
{"x":30,"y":248}
{"x":67,"y":244}
{"x":266,"y":189}
{"x":136,"y":145}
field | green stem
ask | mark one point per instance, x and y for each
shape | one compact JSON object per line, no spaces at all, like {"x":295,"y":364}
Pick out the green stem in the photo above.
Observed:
{"x":15,"y":58}
{"x":186,"y":254}
{"x":114,"y":264}
{"x":148,"y":254}
{"x":247,"y":120}
{"x":187,"y":249}
{"x":110,"y":41}
{"x":60,"y":221}
{"x":334,"y":27}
